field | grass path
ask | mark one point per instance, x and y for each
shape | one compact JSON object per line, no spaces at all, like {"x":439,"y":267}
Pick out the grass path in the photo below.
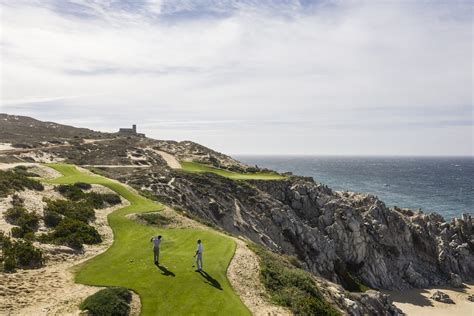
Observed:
{"x":198,"y":167}
{"x":174,"y":288}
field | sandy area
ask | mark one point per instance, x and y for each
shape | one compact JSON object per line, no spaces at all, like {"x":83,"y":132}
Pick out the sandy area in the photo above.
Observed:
{"x":6,"y":146}
{"x":244,"y":276}
{"x":417,"y":302}
{"x":169,"y":158}
{"x":51,"y":290}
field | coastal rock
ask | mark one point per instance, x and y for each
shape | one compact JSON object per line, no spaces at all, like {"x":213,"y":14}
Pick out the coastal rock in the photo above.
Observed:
{"x":381,"y":247}
{"x":442,"y":297}
{"x":455,"y":280}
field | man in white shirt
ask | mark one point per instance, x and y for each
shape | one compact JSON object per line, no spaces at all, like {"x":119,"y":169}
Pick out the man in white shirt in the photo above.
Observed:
{"x":156,"y":248}
{"x":198,"y":256}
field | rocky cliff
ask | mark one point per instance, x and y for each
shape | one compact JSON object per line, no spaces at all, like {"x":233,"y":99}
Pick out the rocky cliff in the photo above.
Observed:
{"x":342,"y":236}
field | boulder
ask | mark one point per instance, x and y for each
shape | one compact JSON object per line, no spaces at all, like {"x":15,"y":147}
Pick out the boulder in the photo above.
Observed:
{"x":442,"y":297}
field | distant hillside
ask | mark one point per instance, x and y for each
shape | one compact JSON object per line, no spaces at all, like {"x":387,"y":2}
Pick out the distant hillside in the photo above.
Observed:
{"x":22,"y":130}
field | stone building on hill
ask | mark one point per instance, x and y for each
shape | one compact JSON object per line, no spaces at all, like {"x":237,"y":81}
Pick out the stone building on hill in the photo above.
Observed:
{"x":130,"y":131}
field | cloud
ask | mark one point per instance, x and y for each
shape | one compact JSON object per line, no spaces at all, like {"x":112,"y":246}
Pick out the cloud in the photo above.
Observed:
{"x":280,"y":70}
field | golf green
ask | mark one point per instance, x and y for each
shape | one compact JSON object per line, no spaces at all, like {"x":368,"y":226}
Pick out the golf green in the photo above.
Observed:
{"x":173,"y":288}
{"x":201,"y":168}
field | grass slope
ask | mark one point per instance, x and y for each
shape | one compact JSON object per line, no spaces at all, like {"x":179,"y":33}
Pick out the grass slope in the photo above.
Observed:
{"x":198,"y":167}
{"x":174,"y":289}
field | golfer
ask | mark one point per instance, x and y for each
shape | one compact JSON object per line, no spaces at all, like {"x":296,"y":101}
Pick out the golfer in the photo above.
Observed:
{"x":156,"y":248}
{"x":198,"y":256}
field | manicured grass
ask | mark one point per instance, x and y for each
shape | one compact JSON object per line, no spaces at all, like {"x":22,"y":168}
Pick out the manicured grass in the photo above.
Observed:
{"x":198,"y":167}
{"x":174,"y":288}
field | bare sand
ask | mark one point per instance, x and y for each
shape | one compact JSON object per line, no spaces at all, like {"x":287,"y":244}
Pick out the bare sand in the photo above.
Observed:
{"x":417,"y":302}
{"x":6,"y":146}
{"x":169,"y":158}
{"x":244,"y":276}
{"x":51,"y":290}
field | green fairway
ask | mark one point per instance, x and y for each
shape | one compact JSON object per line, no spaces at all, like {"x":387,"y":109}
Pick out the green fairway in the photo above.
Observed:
{"x":173,"y":288}
{"x":198,"y":167}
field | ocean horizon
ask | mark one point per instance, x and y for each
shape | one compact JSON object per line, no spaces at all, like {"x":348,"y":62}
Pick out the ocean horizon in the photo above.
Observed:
{"x":442,"y":184}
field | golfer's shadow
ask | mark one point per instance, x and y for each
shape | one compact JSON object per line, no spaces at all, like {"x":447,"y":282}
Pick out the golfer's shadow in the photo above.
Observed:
{"x":165,"y":271}
{"x":210,"y":280}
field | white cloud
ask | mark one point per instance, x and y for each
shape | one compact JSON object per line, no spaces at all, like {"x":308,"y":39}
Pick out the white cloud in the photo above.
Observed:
{"x":393,"y":75}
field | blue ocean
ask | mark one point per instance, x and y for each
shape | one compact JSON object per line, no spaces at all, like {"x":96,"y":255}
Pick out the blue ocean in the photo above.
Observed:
{"x":444,"y":185}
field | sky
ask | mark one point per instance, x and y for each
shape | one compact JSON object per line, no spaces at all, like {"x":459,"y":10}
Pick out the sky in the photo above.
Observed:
{"x":251,"y":76}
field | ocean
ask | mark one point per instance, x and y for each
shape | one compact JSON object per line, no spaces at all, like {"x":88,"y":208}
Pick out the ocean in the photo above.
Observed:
{"x":442,"y":184}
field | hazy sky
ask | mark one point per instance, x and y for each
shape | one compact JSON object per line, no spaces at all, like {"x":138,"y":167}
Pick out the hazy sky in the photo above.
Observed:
{"x":260,"y":77}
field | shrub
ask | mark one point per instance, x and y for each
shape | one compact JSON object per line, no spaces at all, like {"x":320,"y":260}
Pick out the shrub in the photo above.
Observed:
{"x":11,"y":181}
{"x":9,"y":264}
{"x":16,"y":200}
{"x":73,"y":233}
{"x":19,"y":254}
{"x":71,"y":192}
{"x":110,"y":301}
{"x":13,"y":214}
{"x":76,"y":210}
{"x":28,"y":221}
{"x":111,"y":198}
{"x":17,"y":232}
{"x":23,"y":170}
{"x":51,"y":218}
{"x":290,"y":286}
{"x":27,"y":255}
{"x":83,"y":185}
{"x":93,"y":199}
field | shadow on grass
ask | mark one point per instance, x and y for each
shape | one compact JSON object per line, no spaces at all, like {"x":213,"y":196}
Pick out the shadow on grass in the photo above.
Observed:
{"x":210,"y":280}
{"x":165,"y":271}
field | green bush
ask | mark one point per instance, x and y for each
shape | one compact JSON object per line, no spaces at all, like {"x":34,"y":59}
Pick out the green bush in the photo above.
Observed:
{"x":9,"y":264}
{"x":83,"y":185}
{"x":111,"y":198}
{"x":290,"y":286}
{"x":51,"y":218}
{"x":13,"y":214}
{"x":71,"y":192}
{"x":11,"y":182}
{"x":76,"y":210}
{"x":27,"y":221}
{"x":110,"y":301}
{"x":23,"y":170}
{"x":19,"y":254}
{"x":93,"y":199}
{"x":16,"y":200}
{"x":73,"y":233}
{"x":17,"y":232}
{"x":27,"y":255}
